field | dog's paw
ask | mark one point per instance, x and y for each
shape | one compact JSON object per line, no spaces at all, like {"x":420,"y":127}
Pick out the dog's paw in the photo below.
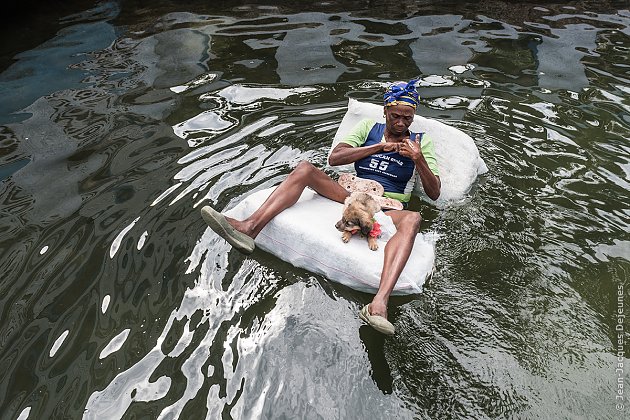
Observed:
{"x":373,"y":244}
{"x":345,"y":237}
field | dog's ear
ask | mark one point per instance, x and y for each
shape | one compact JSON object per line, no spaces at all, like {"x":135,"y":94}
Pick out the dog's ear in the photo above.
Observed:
{"x":372,"y":205}
{"x":366,"y":224}
{"x":349,"y":199}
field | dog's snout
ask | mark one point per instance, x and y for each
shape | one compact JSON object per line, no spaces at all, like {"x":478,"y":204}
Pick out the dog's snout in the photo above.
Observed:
{"x":339,"y":226}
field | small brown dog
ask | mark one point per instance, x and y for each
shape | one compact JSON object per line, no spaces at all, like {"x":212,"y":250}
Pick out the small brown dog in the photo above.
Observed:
{"x":358,"y":216}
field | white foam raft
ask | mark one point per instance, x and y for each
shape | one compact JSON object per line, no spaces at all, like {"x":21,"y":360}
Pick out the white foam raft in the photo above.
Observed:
{"x":305,"y":235}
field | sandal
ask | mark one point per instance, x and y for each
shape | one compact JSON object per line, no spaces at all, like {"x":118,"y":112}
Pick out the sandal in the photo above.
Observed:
{"x":377,"y":322}
{"x":222,"y":227}
{"x":353,"y":183}
{"x":389,"y":203}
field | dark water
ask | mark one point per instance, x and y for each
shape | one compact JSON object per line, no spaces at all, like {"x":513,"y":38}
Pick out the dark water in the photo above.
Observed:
{"x":116,"y":302}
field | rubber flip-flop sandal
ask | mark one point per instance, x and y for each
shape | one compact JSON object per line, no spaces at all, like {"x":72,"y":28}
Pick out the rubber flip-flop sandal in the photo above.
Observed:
{"x":224,"y":229}
{"x":353,"y":183}
{"x":389,"y":203}
{"x":377,"y":322}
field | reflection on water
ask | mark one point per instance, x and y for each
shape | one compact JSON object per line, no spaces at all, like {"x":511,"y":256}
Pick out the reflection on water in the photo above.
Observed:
{"x":117,"y":301}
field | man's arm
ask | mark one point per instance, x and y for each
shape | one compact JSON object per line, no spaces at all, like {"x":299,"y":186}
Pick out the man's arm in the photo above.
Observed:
{"x":345,"y":153}
{"x":430,"y":182}
{"x":351,"y":148}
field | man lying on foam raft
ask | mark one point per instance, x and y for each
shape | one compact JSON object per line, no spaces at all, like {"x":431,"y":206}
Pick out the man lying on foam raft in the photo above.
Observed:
{"x":388,"y":154}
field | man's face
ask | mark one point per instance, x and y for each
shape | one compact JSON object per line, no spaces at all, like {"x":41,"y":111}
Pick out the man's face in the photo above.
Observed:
{"x":398,"y":118}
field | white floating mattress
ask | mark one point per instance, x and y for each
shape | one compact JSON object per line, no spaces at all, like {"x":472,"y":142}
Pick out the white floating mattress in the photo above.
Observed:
{"x":305,"y":236}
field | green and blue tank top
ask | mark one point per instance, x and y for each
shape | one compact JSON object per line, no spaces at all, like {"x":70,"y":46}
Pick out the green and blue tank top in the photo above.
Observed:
{"x":393,"y":171}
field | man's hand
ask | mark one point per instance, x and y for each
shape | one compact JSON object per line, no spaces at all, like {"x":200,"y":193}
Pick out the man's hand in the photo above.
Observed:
{"x":411,"y":149}
{"x":391,"y":147}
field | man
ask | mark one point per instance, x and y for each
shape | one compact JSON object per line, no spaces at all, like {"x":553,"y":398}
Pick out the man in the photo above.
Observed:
{"x":388,"y":154}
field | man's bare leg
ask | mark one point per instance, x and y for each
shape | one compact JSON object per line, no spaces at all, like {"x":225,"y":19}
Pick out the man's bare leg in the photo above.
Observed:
{"x":397,"y":253}
{"x":287,"y":194}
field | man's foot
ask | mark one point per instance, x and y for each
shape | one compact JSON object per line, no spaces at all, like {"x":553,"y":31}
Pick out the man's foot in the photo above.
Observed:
{"x":378,"y":306}
{"x":378,"y":322}
{"x":224,"y":229}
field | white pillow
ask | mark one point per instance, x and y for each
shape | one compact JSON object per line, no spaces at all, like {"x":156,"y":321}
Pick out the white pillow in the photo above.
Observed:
{"x":305,"y":236}
{"x":456,"y":153}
